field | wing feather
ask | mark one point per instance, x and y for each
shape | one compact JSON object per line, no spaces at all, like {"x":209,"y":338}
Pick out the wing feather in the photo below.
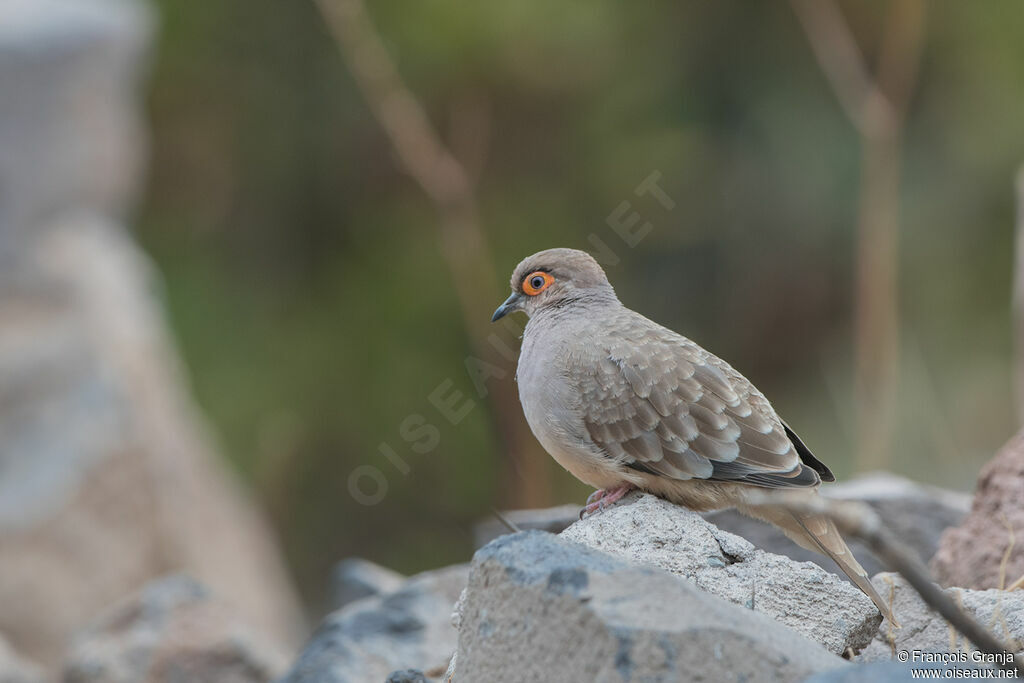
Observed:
{"x":657,"y":402}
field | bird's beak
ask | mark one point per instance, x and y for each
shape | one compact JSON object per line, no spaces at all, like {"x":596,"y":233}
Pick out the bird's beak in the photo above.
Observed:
{"x":511,"y":304}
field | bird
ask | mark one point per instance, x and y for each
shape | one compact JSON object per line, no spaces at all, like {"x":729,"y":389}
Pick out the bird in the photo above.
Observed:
{"x":624,"y":403}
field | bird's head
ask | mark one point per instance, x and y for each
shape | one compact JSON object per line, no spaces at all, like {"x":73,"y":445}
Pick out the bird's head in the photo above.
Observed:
{"x":555,"y":278}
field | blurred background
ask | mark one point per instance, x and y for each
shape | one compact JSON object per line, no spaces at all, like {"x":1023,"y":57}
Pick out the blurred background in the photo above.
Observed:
{"x":307,"y":284}
{"x":330,"y":235}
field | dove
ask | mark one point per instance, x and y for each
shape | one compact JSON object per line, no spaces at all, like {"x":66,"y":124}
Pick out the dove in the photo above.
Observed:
{"x":624,"y":403}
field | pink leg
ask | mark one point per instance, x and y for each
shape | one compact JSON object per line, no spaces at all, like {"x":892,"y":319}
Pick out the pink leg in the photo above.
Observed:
{"x":602,"y":498}
{"x":614,"y":495}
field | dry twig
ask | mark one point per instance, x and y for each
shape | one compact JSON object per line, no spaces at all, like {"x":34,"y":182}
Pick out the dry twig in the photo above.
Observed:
{"x":860,"y":521}
{"x":506,"y":522}
{"x":876,"y":106}
{"x":447,"y":183}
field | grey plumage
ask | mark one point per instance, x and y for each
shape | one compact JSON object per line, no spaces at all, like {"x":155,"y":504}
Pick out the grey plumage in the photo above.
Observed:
{"x":618,"y":400}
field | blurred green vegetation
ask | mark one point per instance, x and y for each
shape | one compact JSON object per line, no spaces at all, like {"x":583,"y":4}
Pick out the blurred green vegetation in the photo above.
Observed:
{"x":305,"y":283}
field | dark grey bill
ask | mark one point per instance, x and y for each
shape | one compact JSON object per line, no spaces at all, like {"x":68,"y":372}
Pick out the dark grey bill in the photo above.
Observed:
{"x":511,"y":304}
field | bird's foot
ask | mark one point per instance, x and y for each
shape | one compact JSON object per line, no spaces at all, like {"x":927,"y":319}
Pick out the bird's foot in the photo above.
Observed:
{"x":602,"y":498}
{"x":614,"y":495}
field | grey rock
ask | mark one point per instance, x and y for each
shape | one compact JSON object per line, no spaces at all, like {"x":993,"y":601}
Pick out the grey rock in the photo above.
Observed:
{"x":916,"y":513}
{"x":650,"y":531}
{"x":70,"y":125}
{"x":407,"y":676}
{"x":971,"y":555}
{"x":371,"y":638}
{"x":889,"y":672}
{"x":553,"y":520}
{"x":14,"y":669}
{"x":172,"y":630}
{"x":449,"y":674}
{"x":355,"y":578}
{"x":1002,"y":612}
{"x":457,"y":611}
{"x":107,"y":477}
{"x":541,"y":608}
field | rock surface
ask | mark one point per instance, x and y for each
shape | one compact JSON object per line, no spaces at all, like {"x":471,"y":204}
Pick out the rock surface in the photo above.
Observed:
{"x":14,"y":669}
{"x":372,"y":638}
{"x":172,"y":631}
{"x":917,"y":514}
{"x":1002,"y":612}
{"x":107,"y":479}
{"x":970,"y":555}
{"x":541,"y":608}
{"x":407,"y":676}
{"x":650,"y":531}
{"x":70,"y":130}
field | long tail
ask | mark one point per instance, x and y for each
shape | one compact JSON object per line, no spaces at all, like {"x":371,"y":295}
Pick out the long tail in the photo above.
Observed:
{"x":819,"y":534}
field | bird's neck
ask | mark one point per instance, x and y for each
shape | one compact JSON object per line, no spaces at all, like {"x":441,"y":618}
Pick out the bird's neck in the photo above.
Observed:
{"x":582,"y":304}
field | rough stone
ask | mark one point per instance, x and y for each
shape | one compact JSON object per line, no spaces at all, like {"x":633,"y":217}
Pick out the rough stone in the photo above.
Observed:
{"x":371,"y":638}
{"x":541,"y":608}
{"x":407,"y":676}
{"x":971,"y":555}
{"x":355,"y":578}
{"x":70,"y":128}
{"x":1002,"y":612}
{"x":917,"y":514}
{"x":650,"y":531}
{"x":172,"y":631}
{"x":14,"y":669}
{"x":449,"y":674}
{"x":107,"y":477}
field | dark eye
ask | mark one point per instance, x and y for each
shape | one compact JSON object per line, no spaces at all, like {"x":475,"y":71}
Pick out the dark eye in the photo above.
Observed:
{"x":537,"y":282}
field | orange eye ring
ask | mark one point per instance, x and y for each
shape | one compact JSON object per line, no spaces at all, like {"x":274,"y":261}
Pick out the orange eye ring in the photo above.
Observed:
{"x":536,"y":282}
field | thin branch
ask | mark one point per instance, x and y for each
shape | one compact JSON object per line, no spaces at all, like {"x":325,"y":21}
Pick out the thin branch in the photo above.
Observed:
{"x":899,"y":58}
{"x":858,"y":520}
{"x":505,"y":521}
{"x":421,"y":152}
{"x":424,"y":156}
{"x":876,"y":105}
{"x":840,"y":60}
{"x":414,"y":139}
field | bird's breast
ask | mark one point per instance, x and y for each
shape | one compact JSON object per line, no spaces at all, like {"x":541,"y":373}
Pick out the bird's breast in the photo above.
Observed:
{"x":551,"y":403}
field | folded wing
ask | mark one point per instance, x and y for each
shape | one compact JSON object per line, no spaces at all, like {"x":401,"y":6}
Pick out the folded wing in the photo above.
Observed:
{"x":658,"y":403}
